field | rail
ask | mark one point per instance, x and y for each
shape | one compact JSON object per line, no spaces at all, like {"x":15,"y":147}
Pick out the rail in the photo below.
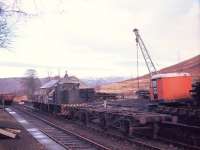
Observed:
{"x":137,"y":141}
{"x":64,"y":137}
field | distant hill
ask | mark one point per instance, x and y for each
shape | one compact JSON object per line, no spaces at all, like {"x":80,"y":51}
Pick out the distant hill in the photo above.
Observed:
{"x":10,"y":85}
{"x":128,"y":87}
{"x":94,"y":82}
{"x":15,"y":85}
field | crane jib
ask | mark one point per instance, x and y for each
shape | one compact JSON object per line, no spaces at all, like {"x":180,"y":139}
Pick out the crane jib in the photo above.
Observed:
{"x":148,"y":61}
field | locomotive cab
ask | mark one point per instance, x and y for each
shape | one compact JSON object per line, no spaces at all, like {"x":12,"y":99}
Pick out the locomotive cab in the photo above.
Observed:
{"x":170,"y":87}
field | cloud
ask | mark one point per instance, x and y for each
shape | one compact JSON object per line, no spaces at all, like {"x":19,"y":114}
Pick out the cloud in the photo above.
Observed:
{"x":91,"y":37}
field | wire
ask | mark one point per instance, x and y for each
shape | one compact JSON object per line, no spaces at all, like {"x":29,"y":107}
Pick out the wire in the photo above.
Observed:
{"x":138,"y":82}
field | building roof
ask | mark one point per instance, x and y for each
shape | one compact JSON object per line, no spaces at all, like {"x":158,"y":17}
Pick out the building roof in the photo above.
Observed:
{"x":75,"y":80}
{"x":69,"y":79}
{"x":168,"y":75}
{"x":65,"y":80}
{"x":49,"y":84}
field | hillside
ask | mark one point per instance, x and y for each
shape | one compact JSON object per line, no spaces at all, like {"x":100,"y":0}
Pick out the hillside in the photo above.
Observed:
{"x":10,"y":85}
{"x":128,"y":87}
{"x":94,"y":82}
{"x":14,"y":85}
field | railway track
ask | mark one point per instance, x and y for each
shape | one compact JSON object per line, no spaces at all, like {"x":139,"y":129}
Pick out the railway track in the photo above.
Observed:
{"x":68,"y":139}
{"x":139,"y":143}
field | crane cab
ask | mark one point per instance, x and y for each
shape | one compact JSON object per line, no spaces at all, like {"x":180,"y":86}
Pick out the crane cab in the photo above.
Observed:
{"x":170,"y":87}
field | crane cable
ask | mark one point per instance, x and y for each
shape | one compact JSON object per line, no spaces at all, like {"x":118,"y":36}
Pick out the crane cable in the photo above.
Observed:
{"x":137,"y":46}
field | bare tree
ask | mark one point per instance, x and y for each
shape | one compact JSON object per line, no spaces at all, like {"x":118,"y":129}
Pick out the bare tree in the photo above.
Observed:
{"x":9,"y":16}
{"x":4,"y":30}
{"x":31,"y":83}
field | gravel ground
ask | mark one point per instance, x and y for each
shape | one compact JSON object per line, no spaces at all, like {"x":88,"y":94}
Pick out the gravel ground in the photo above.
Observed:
{"x":24,"y":141}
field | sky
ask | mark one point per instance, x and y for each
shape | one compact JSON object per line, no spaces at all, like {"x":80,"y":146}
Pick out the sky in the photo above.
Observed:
{"x":94,"y":38}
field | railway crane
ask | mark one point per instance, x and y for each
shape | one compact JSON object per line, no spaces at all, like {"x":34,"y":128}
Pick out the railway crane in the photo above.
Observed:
{"x":142,"y":93}
{"x":168,"y":87}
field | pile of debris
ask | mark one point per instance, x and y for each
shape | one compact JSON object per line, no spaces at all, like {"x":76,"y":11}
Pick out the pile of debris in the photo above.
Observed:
{"x":5,"y":126}
{"x":9,"y":132}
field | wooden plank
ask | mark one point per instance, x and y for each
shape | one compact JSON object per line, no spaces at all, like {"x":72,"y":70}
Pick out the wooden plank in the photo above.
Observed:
{"x":7,"y":133}
{"x":13,"y":130}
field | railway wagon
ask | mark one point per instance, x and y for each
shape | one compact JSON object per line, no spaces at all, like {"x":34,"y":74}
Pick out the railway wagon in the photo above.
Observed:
{"x":54,"y":94}
{"x":170,"y":87}
{"x":6,"y":98}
